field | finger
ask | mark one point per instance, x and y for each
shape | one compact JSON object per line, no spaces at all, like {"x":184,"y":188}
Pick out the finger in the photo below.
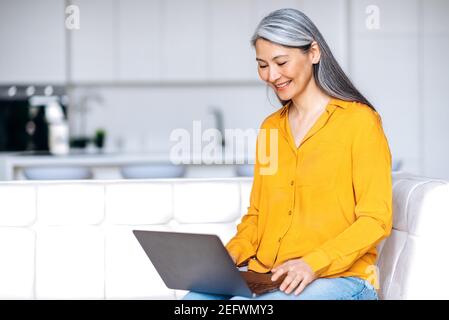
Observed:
{"x":288,"y":279}
{"x":277,"y":274}
{"x":293,"y":285}
{"x":301,"y":286}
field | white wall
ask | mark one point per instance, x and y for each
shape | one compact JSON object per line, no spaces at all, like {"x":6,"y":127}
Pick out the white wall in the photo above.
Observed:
{"x":141,"y":119}
{"x":32,"y":41}
{"x":434,"y":87}
{"x":384,"y":65}
{"x":402,"y":70}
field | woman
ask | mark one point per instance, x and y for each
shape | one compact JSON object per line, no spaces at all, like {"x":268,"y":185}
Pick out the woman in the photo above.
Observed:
{"x":318,"y":217}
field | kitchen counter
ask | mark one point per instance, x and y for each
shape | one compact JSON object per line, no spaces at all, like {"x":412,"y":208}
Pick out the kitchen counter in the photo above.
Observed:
{"x":107,"y":165}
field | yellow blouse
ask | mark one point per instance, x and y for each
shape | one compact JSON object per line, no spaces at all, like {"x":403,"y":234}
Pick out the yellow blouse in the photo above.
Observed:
{"x":328,"y":202}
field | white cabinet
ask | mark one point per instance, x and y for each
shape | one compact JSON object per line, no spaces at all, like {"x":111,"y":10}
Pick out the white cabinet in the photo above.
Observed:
{"x":178,"y":40}
{"x":183,"y":48}
{"x":139,"y":40}
{"x":94,"y":46}
{"x":163,"y":40}
{"x":32,"y":36}
{"x":119,"y":40}
{"x":232,"y":56}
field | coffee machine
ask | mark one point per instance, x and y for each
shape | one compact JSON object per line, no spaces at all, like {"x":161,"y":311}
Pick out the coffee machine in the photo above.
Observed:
{"x":34,"y":118}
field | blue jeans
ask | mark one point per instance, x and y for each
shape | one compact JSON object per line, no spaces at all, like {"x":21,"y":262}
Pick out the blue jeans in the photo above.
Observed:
{"x":343,"y":288}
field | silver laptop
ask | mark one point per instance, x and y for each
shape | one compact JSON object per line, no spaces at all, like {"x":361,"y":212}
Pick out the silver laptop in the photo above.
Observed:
{"x":201,"y":263}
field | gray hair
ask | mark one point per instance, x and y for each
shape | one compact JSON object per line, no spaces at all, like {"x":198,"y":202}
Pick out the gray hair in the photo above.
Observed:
{"x":292,"y":28}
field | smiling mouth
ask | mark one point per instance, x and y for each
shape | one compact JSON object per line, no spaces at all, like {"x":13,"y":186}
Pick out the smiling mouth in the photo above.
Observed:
{"x":282,"y":85}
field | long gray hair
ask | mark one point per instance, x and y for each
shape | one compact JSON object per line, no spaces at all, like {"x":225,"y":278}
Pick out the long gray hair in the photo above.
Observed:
{"x":292,"y":28}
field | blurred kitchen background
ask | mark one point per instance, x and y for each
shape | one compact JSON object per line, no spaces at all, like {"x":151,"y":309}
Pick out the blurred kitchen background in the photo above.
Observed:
{"x":116,"y":77}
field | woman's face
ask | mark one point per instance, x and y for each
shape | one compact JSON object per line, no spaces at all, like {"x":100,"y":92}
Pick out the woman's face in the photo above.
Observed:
{"x":287,"y":70}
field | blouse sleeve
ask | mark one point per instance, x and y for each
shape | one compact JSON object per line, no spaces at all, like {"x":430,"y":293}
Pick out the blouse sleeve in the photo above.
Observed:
{"x":372,"y":186}
{"x":243,"y":245}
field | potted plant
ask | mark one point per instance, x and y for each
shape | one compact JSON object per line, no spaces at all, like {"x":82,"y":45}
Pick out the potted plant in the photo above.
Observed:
{"x":99,"y":139}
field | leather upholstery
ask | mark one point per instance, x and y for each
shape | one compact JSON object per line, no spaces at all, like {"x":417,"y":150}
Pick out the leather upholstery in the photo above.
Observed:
{"x":73,"y":239}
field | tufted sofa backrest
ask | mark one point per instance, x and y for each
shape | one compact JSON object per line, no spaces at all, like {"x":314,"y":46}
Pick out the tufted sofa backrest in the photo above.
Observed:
{"x":73,"y":239}
{"x":412,"y":258}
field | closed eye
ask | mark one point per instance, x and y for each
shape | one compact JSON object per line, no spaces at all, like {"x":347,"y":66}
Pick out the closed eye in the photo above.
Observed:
{"x":279,"y":64}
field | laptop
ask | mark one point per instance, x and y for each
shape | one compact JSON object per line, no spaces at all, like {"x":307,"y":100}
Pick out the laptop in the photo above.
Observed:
{"x":201,"y":263}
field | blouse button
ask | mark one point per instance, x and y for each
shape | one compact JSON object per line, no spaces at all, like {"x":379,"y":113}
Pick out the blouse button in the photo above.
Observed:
{"x":292,"y":182}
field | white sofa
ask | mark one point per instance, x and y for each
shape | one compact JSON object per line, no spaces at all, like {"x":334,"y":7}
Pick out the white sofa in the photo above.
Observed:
{"x":73,"y":239}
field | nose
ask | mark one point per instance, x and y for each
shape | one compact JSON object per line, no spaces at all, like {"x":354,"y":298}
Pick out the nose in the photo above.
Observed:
{"x":273,"y":74}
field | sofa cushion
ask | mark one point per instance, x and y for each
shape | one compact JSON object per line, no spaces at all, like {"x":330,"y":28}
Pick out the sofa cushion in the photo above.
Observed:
{"x":17,"y":205}
{"x":206,"y":201}
{"x":69,"y":263}
{"x":134,"y":203}
{"x":17,"y":252}
{"x":417,"y":274}
{"x":388,"y":261}
{"x":428,"y":209}
{"x":416,"y":247}
{"x":70,"y":204}
{"x":129,"y":273}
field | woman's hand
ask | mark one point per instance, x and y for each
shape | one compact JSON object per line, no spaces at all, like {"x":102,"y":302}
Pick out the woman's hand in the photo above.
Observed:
{"x":299,"y":275}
